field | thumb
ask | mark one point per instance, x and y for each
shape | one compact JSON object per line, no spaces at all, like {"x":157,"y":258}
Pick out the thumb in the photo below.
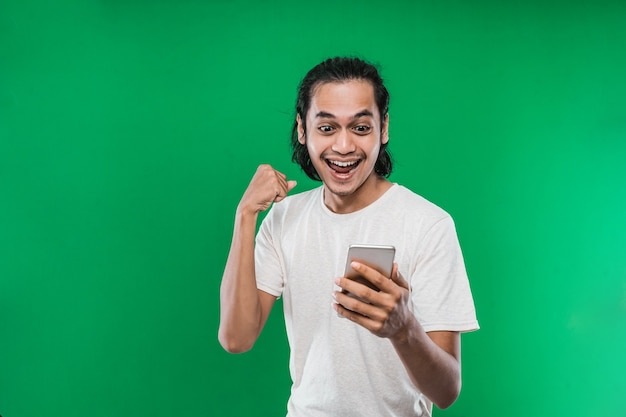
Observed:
{"x":290,"y":185}
{"x":397,"y":277}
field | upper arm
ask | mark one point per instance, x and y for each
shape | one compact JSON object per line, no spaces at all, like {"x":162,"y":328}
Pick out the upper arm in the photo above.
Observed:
{"x":266,"y":302}
{"x":449,"y":341}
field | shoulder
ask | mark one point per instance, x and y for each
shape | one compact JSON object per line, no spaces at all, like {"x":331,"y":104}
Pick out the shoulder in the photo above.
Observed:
{"x":416,"y":205}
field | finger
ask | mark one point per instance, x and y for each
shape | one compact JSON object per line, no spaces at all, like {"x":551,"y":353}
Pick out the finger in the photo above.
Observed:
{"x":379,"y":280}
{"x":397,"y":277}
{"x":284,"y":190}
{"x":357,"y":288}
{"x":282,"y":179}
{"x":357,"y":305}
{"x":366,"y":322}
{"x":269,"y":181}
{"x":280,"y":174}
{"x":284,"y":186}
{"x":358,"y":297}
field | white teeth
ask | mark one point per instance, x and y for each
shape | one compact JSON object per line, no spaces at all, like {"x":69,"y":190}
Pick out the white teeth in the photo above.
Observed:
{"x":343,"y":164}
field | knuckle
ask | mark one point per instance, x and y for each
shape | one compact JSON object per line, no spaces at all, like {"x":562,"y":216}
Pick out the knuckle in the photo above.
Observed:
{"x":351,"y":304}
{"x":387,"y":309}
{"x":347,"y":313}
{"x":383,"y":316}
{"x":365,"y":293}
{"x":370,"y":292}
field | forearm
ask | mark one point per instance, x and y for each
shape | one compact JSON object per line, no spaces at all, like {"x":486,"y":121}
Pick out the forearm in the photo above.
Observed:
{"x":433,"y":370}
{"x":432,"y":360}
{"x":243,"y":308}
{"x":240,"y":308}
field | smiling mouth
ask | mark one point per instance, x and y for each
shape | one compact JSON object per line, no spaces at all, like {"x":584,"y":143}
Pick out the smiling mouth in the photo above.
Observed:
{"x":342,"y":167}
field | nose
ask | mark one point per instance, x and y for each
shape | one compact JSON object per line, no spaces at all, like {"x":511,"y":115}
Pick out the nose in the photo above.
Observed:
{"x":344,"y":143}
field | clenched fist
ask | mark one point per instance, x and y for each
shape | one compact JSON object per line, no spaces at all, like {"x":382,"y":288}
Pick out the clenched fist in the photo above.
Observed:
{"x":266,"y":187}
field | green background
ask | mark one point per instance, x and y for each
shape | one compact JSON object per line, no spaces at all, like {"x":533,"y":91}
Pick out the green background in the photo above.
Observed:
{"x":129,"y":130}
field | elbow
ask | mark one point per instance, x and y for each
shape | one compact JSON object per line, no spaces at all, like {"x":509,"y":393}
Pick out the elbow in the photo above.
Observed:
{"x":442,"y":405}
{"x":234,"y":347}
{"x":233,"y":344}
{"x":449,"y":397}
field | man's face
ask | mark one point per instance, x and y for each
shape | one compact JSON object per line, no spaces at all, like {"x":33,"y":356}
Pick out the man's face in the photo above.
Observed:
{"x":343,"y":138}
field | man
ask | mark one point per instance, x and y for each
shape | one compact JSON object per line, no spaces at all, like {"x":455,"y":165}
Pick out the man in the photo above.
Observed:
{"x":392,"y":352}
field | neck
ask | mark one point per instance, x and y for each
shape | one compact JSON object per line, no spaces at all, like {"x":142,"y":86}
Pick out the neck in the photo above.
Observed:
{"x":366,"y":194}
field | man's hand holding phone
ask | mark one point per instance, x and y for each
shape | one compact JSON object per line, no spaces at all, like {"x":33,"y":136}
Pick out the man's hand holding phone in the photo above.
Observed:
{"x":385,"y":312}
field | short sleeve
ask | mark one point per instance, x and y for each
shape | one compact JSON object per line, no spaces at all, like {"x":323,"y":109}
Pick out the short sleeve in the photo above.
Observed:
{"x":440,"y":290}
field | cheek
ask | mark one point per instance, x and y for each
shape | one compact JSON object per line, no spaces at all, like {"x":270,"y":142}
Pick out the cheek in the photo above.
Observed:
{"x":375,"y":149}
{"x":314,"y":148}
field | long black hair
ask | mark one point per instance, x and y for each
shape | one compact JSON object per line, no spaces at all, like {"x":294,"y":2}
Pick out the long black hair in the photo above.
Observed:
{"x":339,"y":69}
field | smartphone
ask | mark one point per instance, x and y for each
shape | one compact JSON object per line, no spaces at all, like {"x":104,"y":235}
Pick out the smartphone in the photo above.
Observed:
{"x":379,"y":257}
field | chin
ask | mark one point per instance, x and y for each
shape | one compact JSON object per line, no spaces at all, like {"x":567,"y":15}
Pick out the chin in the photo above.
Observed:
{"x":340,"y":191}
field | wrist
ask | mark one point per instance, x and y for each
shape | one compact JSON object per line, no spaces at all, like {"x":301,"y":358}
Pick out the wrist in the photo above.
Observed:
{"x":409,"y":332}
{"x":246,"y":220}
{"x":245,"y":211}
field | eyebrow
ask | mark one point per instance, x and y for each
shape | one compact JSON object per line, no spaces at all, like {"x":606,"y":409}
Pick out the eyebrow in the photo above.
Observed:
{"x":326,"y":115}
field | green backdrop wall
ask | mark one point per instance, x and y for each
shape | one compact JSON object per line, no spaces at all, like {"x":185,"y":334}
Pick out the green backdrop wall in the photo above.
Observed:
{"x":129,"y":129}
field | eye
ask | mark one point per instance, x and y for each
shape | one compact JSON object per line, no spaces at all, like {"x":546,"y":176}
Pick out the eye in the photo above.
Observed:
{"x":362,"y":129}
{"x":325,"y":129}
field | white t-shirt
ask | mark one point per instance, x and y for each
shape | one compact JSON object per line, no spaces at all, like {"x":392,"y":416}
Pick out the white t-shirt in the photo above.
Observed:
{"x":337,"y":367}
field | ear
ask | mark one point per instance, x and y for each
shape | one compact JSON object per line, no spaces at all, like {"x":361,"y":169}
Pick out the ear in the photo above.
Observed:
{"x":301,"y":136}
{"x":384,"y":136}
